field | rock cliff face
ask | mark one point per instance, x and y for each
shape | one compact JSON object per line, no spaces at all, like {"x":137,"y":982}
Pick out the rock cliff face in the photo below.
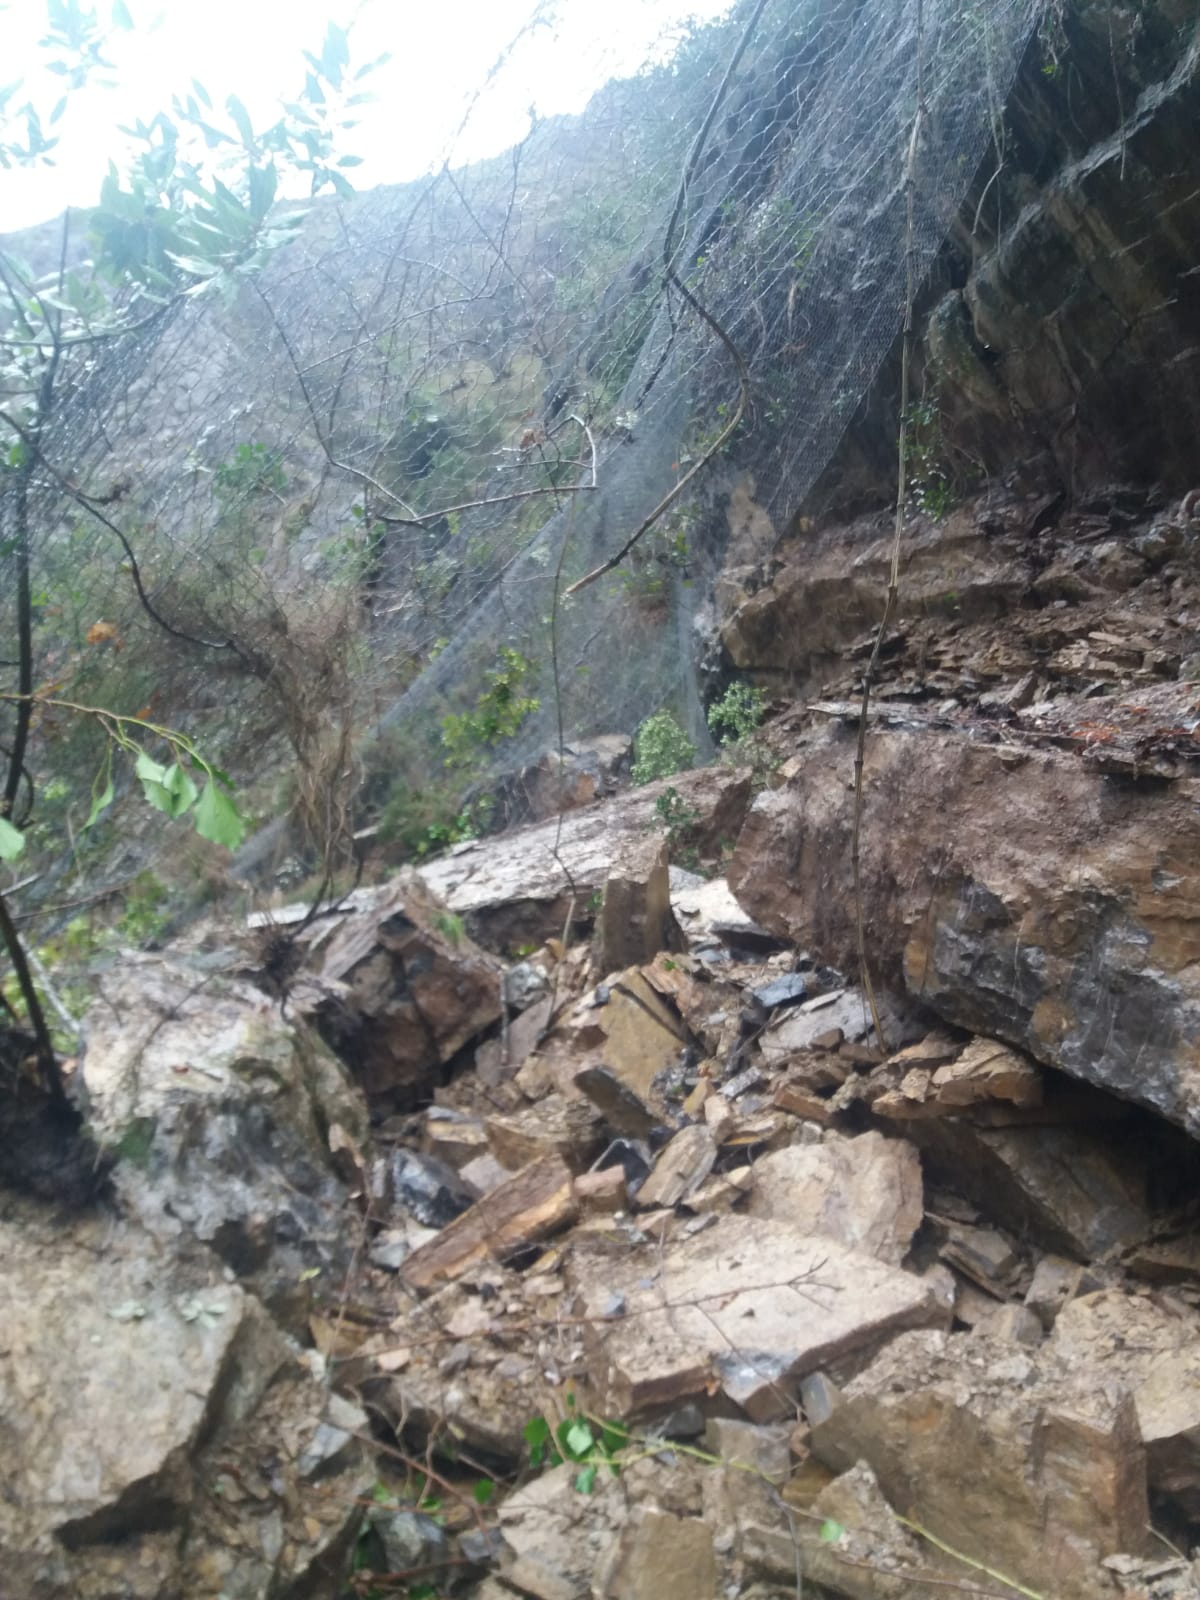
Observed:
{"x":939,"y":1292}
{"x":1031,"y":779}
{"x":1063,"y":321}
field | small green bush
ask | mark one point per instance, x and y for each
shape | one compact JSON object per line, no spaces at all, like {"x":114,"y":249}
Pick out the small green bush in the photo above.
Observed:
{"x":737,"y":713}
{"x":663,"y":748}
{"x":499,"y":712}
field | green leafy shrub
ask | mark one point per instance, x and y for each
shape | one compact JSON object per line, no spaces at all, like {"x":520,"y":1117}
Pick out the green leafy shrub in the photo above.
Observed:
{"x":253,"y":469}
{"x":737,"y":713}
{"x":498,"y":714}
{"x":423,"y":822}
{"x":662,"y":748}
{"x":144,"y":918}
{"x":679,"y":819}
{"x":925,"y":455}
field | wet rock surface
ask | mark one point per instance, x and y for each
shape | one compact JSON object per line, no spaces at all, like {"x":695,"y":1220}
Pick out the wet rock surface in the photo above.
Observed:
{"x":220,"y":1112}
{"x":502,"y":1194}
{"x":144,"y":1395}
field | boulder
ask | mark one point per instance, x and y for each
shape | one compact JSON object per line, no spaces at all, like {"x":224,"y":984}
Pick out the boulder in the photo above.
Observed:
{"x":163,"y":1436}
{"x":1026,"y":1461}
{"x":864,"y":1192}
{"x":588,"y":770}
{"x":220,"y":1113}
{"x":1079,"y":1190}
{"x":1017,"y":892}
{"x":746,"y":1308}
{"x":516,"y":888}
{"x":635,"y":920}
{"x":401,"y":988}
{"x":1153,"y":1348}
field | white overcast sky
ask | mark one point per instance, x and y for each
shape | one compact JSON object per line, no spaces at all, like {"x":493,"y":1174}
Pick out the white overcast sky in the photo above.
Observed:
{"x":442,"y":51}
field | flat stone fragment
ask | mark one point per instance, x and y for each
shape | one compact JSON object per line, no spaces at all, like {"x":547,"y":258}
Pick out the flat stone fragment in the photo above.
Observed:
{"x":533,"y":1204}
{"x":556,"y":1125}
{"x":789,"y":989}
{"x":682,"y":1166}
{"x":663,"y":1557}
{"x":1022,"y":1457}
{"x":624,"y":1111}
{"x":748,"y":1305}
{"x":797,"y":1027}
{"x":865,"y":1192}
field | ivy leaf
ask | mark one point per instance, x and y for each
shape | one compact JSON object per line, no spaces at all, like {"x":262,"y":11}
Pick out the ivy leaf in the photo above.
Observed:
{"x":613,"y":1438}
{"x":241,"y":119}
{"x":182,"y":790}
{"x":151,"y":774}
{"x":578,"y":1440}
{"x":12,"y":840}
{"x":102,"y":798}
{"x":831,"y":1531}
{"x":217,"y":818}
{"x":484,"y":1489}
{"x":168,"y":789}
{"x":585,"y":1480}
{"x":537,"y":1434}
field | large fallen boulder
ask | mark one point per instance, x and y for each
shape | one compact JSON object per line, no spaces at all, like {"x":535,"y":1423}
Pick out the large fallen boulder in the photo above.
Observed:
{"x":219,"y":1112}
{"x":744,"y":1308}
{"x":516,"y":888}
{"x":1032,"y":1465}
{"x":162,"y":1436}
{"x":400,"y":988}
{"x":1020,"y":893}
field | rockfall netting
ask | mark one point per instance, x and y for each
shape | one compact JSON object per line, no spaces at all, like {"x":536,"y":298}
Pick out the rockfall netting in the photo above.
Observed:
{"x":369,"y":482}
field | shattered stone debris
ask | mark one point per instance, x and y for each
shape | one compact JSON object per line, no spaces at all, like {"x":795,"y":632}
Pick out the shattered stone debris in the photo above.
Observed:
{"x":579,"y":1220}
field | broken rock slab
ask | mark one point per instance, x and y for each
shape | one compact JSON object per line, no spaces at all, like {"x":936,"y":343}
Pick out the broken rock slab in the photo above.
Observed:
{"x":1080,"y":1190}
{"x":663,"y":1557}
{"x":615,"y":1543}
{"x":562,"y":1125}
{"x":681,"y":1167}
{"x":1032,"y":1464}
{"x":985,"y":1071}
{"x":220,"y":1112}
{"x":1153,"y":1347}
{"x":747,"y":1306}
{"x":711,"y":917}
{"x":513,"y":891}
{"x":623,"y":1025}
{"x":635,"y":920}
{"x":801,"y":1026}
{"x":134,"y":1381}
{"x":865,"y":1192}
{"x":1078,"y":942}
{"x":401,"y":988}
{"x":530,"y":1206}
{"x":874,"y":1557}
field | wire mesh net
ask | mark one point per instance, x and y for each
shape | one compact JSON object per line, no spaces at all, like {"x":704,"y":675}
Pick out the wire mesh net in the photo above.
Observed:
{"x":358,"y":493}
